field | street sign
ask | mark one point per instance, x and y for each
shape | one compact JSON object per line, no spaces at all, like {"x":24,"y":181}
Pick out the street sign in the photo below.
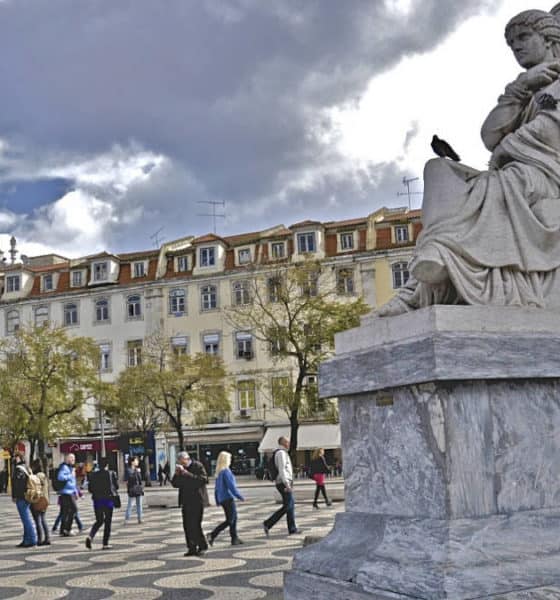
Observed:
{"x":5,"y":454}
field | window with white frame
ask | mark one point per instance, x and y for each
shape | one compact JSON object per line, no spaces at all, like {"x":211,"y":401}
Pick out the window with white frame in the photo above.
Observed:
{"x":182,"y":264}
{"x":207,"y":256}
{"x":48,"y":282}
{"x":70,"y":311}
{"x":306,"y":242}
{"x":100,"y":271}
{"x":246,"y":394}
{"x":347,"y":241}
{"x":244,"y":256}
{"x":177,"y":302}
{"x":12,"y":321}
{"x":104,"y":357}
{"x":278,"y":250}
{"x":180,"y":345}
{"x":139,"y":269}
{"x":244,"y":345}
{"x":345,"y":281}
{"x":134,"y":352}
{"x":134,"y":307}
{"x":401,"y":234}
{"x":400,"y":274}
{"x":77,"y":278}
{"x":241,"y":293}
{"x":12,"y":283}
{"x":211,"y":343}
{"x":41,"y":315}
{"x":102,"y":310}
{"x":209,"y":297}
{"x":280,"y":391}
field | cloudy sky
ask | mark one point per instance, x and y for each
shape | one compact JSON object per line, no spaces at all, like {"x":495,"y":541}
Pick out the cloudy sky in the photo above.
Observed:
{"x":123,"y":117}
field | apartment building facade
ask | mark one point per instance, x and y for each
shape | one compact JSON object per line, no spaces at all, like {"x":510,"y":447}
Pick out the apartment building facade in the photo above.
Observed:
{"x":182,"y":290}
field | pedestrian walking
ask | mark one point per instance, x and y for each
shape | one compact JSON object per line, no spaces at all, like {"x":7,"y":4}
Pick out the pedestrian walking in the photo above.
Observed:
{"x":319,"y":470}
{"x":134,"y":488}
{"x":282,"y":474}
{"x":103,"y":486}
{"x":166,"y":473}
{"x":191,"y":480}
{"x":160,"y":475}
{"x":39,"y":508}
{"x":20,"y":476}
{"x":225,"y":493}
{"x":68,"y":494}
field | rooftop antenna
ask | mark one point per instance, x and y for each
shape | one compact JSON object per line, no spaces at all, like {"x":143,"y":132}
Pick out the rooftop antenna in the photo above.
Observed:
{"x":213,"y":214}
{"x":12,"y":251}
{"x":155,"y":237}
{"x":406,"y":182}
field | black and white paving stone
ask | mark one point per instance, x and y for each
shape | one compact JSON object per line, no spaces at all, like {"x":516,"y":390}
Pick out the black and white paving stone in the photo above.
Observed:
{"x":146,"y":560}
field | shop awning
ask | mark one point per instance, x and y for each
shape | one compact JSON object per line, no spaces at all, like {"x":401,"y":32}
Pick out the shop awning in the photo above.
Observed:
{"x":223,"y":435}
{"x":319,"y":435}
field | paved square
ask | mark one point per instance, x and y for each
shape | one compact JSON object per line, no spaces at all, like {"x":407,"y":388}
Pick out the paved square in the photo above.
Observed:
{"x":147,"y":560}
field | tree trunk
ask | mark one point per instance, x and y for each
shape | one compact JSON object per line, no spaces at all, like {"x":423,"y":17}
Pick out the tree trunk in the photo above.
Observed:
{"x":294,"y":426}
{"x":41,"y":453}
{"x":148,"y":481}
{"x":181,"y":438}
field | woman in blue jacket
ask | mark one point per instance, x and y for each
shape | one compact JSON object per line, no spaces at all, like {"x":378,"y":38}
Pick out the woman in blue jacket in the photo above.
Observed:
{"x":225,"y":494}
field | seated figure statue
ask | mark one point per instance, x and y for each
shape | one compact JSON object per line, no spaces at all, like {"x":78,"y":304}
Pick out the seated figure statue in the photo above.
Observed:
{"x":493,"y":237}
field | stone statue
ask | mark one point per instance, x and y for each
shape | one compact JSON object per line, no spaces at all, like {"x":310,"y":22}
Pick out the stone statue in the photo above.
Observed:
{"x":493,"y":237}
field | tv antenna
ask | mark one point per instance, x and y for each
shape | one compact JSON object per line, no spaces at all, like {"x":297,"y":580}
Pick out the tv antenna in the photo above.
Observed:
{"x":155,"y":237}
{"x":406,"y":181}
{"x":213,"y":214}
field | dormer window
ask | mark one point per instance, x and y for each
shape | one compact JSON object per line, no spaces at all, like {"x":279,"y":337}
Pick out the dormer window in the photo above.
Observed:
{"x":13,"y":283}
{"x":48,"y":283}
{"x":100,"y":271}
{"x":244,"y":256}
{"x":182,"y":264}
{"x":207,"y":256}
{"x":401,"y":234}
{"x":306,"y":242}
{"x":77,"y":278}
{"x":346,"y":241}
{"x":139,"y":269}
{"x":278,"y":250}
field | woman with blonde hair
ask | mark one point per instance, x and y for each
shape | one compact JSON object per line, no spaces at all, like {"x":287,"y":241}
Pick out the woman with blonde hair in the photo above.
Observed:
{"x":319,"y":470}
{"x":225,"y":493}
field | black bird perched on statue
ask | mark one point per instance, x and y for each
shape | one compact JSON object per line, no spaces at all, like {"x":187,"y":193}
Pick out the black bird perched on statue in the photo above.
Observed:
{"x":547,"y":102}
{"x":443,"y":149}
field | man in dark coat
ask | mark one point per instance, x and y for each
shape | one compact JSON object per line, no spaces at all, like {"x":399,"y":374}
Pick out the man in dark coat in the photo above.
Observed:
{"x":191,"y":480}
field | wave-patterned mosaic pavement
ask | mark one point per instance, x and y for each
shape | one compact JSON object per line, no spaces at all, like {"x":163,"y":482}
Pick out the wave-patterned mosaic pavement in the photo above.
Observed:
{"x":146,"y":561}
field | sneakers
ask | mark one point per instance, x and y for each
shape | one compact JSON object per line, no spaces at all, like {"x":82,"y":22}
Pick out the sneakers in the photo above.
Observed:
{"x":266,"y":529}
{"x":329,"y":502}
{"x":295,"y":531}
{"x":236,"y":542}
{"x":316,"y":506}
{"x":191,"y":553}
{"x":88,"y":543}
{"x":107,"y":547}
{"x":210,"y":539}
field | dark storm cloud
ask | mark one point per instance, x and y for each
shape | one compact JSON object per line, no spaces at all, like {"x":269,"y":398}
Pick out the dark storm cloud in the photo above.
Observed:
{"x":232,"y":92}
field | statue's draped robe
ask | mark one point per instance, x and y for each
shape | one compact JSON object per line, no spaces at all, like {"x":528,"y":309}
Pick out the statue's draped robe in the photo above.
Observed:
{"x":498,"y":231}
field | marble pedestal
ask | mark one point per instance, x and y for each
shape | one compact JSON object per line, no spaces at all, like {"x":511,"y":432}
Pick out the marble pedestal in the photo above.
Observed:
{"x":450,"y":421}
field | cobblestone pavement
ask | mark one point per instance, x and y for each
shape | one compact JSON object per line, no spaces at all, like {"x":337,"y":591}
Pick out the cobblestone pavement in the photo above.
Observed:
{"x":146,"y":561}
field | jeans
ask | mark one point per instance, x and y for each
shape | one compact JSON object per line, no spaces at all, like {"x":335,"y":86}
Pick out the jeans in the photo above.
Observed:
{"x":103,"y":516}
{"x":40,"y":525}
{"x":59,"y":519}
{"x":29,"y":532}
{"x":131,"y":499}
{"x":287,"y":508}
{"x":231,"y":520}
{"x":69,"y":509}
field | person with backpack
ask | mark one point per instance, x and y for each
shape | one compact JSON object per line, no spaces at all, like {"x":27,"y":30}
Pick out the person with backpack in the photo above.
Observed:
{"x":134,"y":488}
{"x":318,"y":471}
{"x":39,"y":507}
{"x":65,"y":484}
{"x":103,"y":486}
{"x":20,"y":481}
{"x":282,"y":474}
{"x":225,"y":493}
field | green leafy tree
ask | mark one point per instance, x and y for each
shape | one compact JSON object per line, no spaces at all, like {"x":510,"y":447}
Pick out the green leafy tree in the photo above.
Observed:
{"x":175,"y":385}
{"x":296,"y":311}
{"x":53,"y":374}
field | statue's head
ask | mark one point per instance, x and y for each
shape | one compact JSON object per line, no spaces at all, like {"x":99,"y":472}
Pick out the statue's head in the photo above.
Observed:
{"x":534,"y":37}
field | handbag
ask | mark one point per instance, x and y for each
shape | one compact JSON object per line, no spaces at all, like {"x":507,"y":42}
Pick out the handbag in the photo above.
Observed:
{"x":41,"y":504}
{"x":116,"y":501}
{"x":136,"y":490}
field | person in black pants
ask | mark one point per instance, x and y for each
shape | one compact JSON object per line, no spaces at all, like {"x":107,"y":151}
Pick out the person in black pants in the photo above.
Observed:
{"x":319,"y":470}
{"x":191,"y":480}
{"x":103,"y":486}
